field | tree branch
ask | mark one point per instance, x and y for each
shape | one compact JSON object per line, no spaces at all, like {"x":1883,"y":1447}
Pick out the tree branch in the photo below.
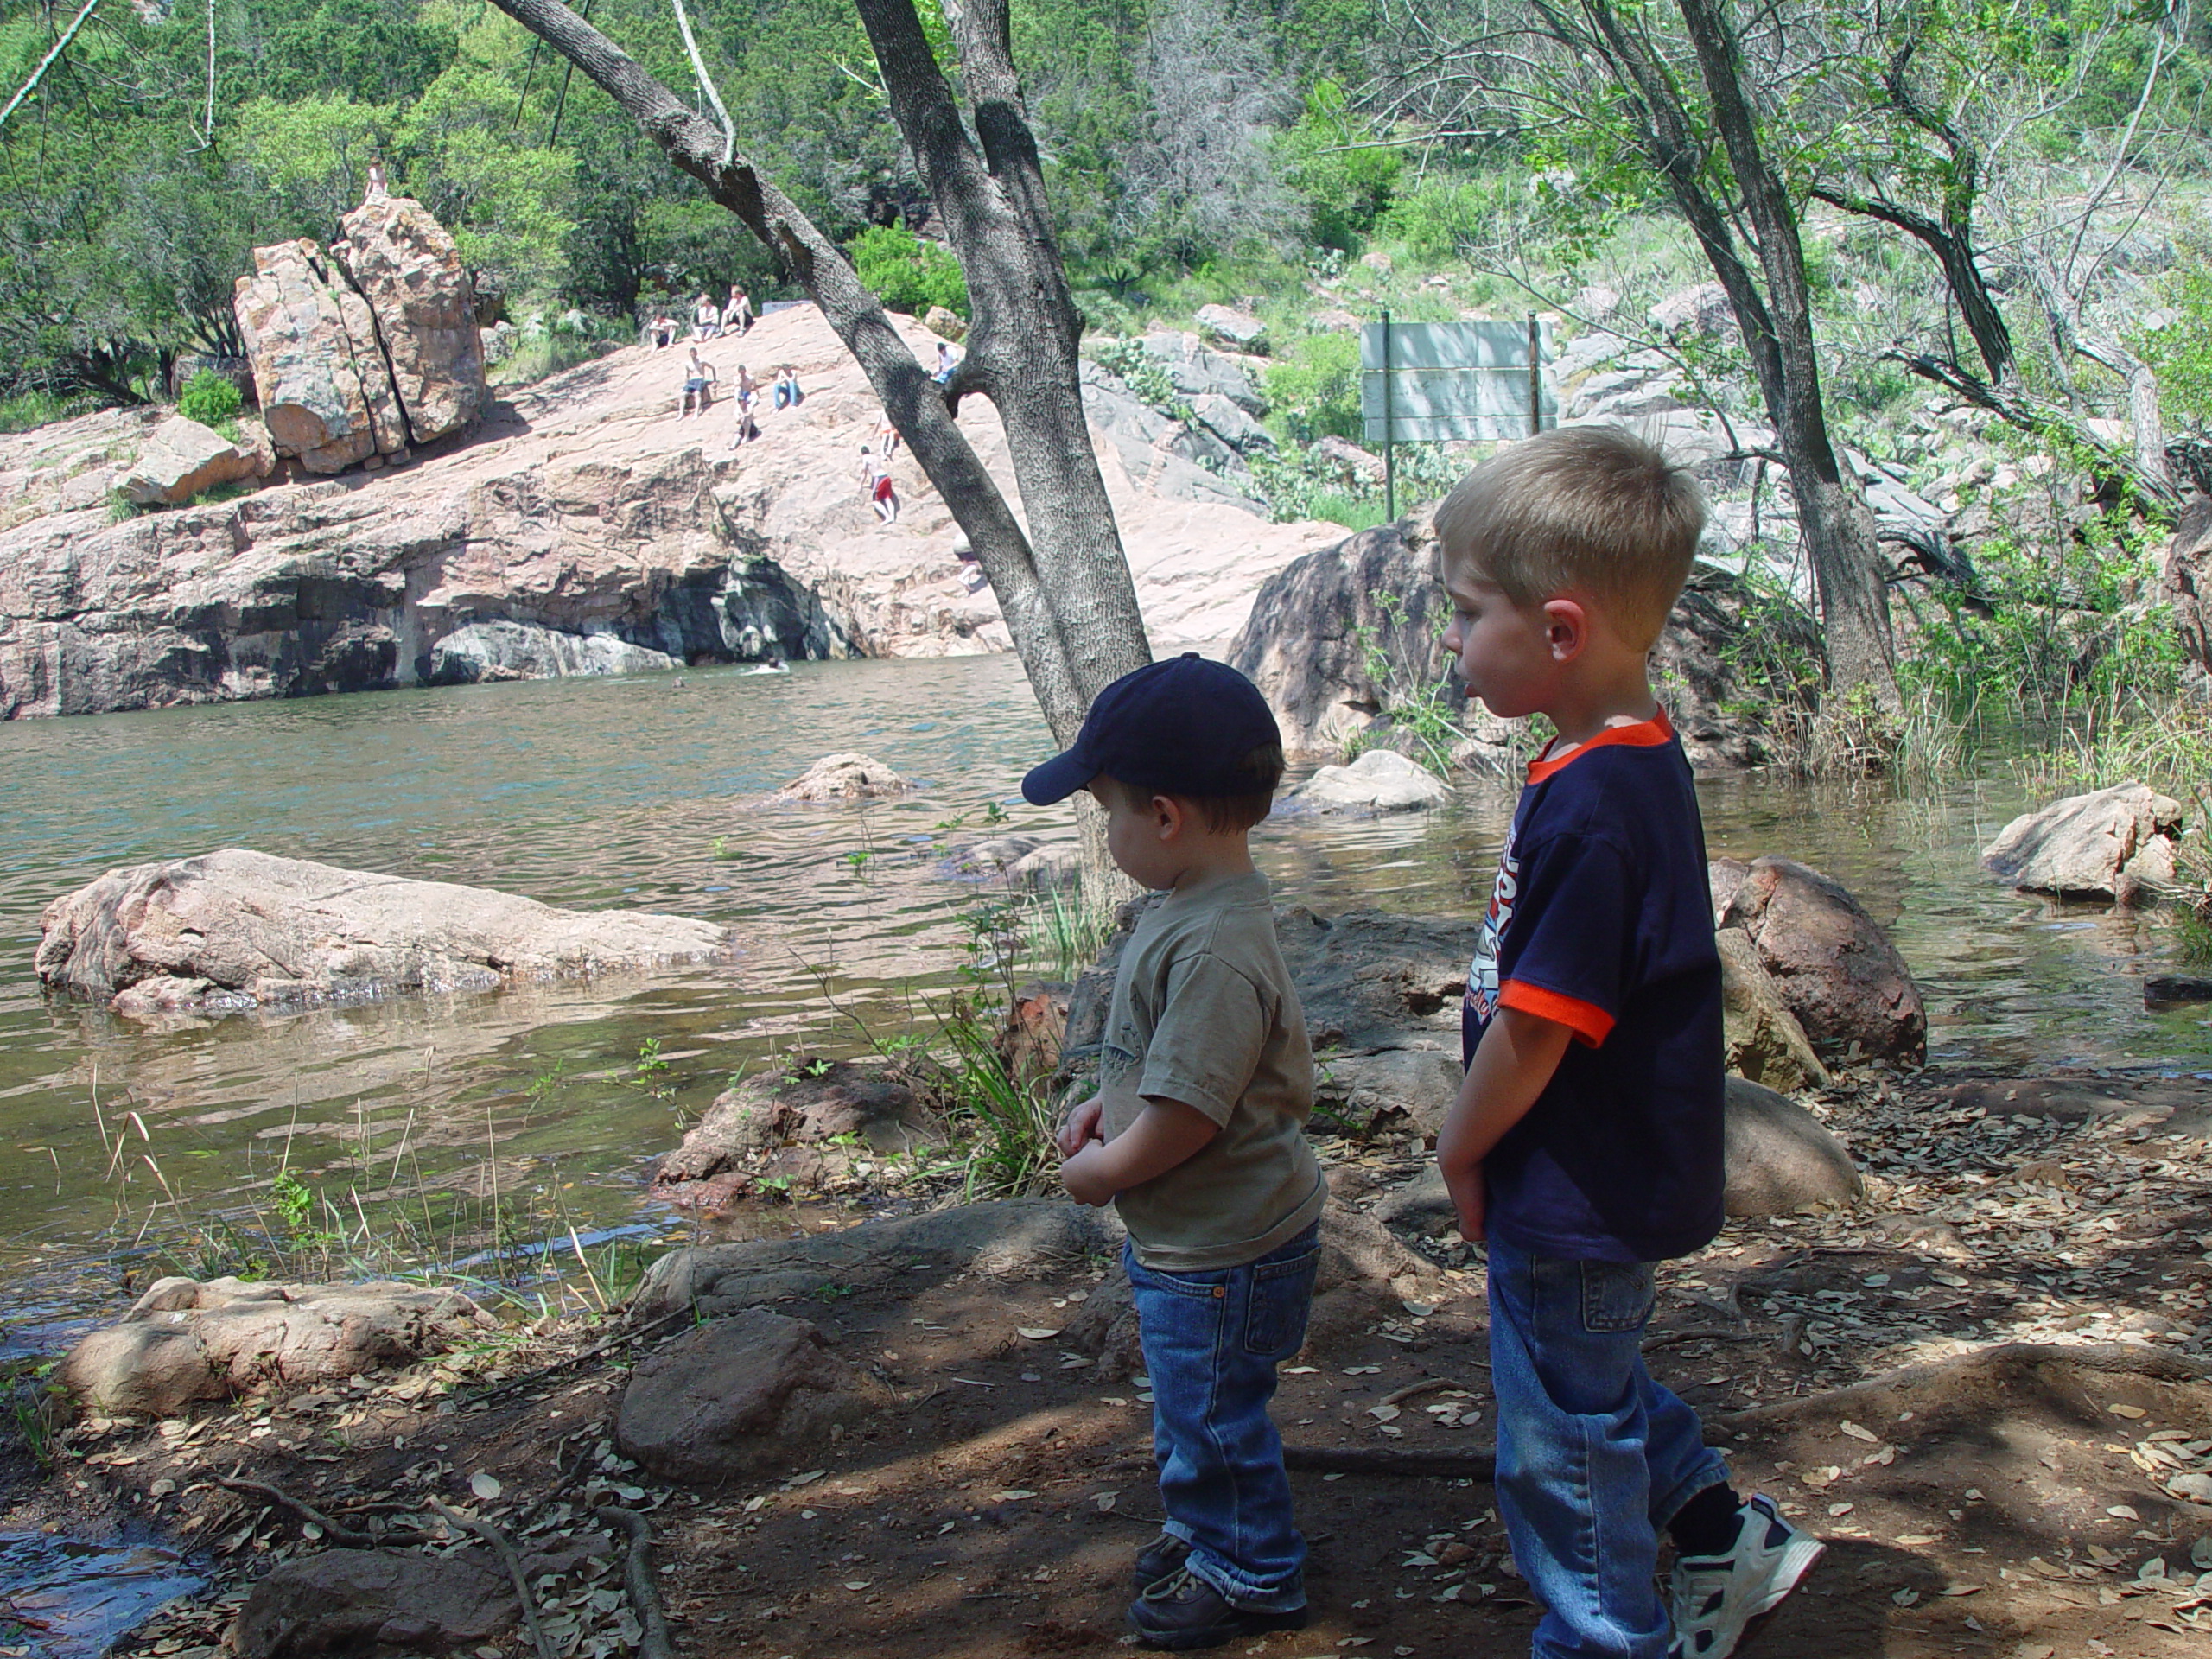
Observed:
{"x":46,"y":62}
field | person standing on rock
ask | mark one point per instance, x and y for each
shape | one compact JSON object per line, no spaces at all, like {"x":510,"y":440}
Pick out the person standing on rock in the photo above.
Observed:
{"x":1585,"y":1143}
{"x":698,"y":385}
{"x":747,"y":398}
{"x":882,"y":493}
{"x":1198,"y":1136}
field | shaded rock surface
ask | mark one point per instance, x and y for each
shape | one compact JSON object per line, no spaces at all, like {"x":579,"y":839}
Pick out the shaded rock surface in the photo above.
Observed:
{"x":1781,"y":1158}
{"x":240,"y":929}
{"x":578,"y":505}
{"x":806,"y":1103}
{"x":738,"y":1397}
{"x":523,"y":650}
{"x":2189,"y":580}
{"x":1014,"y":1238}
{"x":185,"y":1340}
{"x":1763,"y":1039}
{"x":1381,"y":780}
{"x":182,"y":458}
{"x":846,"y":776}
{"x":374,"y":1601}
{"x":2114,"y":843}
{"x":1834,"y":965}
{"x":1306,"y":646}
{"x":1238,"y":328}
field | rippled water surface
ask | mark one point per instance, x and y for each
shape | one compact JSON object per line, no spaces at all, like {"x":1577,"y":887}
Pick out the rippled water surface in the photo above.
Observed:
{"x":637,"y":792}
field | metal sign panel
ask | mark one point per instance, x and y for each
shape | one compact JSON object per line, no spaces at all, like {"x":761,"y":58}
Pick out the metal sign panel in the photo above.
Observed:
{"x":1452,"y":380}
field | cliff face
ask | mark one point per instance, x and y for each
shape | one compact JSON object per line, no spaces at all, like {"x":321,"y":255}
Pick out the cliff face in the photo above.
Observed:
{"x":598,"y":530}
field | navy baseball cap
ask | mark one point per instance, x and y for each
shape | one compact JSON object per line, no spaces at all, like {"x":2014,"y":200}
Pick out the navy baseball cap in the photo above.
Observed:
{"x":1182,"y":727}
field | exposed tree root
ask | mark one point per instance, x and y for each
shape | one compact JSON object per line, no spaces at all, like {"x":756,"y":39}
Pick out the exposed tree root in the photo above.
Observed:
{"x":505,"y":1551}
{"x":345,"y":1537}
{"x":637,"y":1579}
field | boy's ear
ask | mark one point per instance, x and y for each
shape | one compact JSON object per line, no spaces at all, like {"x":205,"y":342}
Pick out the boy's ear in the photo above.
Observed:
{"x":1168,"y":816}
{"x":1567,"y":628}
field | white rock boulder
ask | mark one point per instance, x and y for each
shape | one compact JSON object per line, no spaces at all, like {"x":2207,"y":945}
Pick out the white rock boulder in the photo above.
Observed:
{"x":1381,"y":780}
{"x":186,"y":1341}
{"x":846,"y":776}
{"x":2116,"y":843}
{"x":237,"y":929}
{"x":180,"y":458}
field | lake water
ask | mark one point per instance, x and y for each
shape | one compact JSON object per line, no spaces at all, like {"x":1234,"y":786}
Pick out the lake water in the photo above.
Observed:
{"x":123,"y":1139}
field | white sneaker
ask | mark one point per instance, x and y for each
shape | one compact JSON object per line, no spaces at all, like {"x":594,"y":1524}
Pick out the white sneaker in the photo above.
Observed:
{"x":1712,"y":1598}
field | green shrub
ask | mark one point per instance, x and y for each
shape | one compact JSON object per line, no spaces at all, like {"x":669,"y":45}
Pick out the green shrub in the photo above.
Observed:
{"x":1314,"y":388}
{"x":908,"y":274}
{"x":210,"y":398}
{"x":1346,"y":184}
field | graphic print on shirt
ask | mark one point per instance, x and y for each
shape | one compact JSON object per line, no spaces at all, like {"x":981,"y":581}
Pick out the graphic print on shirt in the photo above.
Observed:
{"x":1481,"y":999}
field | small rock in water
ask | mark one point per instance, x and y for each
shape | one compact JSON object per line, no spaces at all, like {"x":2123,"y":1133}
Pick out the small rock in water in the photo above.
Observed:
{"x":2164,"y":990}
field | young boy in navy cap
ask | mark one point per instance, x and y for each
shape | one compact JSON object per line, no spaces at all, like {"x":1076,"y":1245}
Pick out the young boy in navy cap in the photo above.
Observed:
{"x":1586,"y":1144}
{"x":1198,"y":1136}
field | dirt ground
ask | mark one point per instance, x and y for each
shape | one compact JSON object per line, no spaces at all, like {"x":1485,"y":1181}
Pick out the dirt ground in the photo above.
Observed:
{"x":2026,"y":1294}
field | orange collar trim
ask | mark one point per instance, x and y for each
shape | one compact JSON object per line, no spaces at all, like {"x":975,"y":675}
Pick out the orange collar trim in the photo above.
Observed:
{"x":1644,"y":734}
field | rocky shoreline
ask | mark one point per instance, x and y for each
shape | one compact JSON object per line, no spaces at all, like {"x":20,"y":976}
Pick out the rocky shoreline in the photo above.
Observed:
{"x":952,"y":1440}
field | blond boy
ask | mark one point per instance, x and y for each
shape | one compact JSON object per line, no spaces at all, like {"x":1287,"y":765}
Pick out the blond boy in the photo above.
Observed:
{"x":1586,"y":1144}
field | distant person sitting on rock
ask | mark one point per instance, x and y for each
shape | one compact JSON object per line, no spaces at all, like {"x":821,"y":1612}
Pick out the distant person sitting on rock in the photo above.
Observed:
{"x":737,"y":316}
{"x":882,"y":493}
{"x":661,"y":331}
{"x":705,"y":320}
{"x":886,"y":436}
{"x":698,"y":385}
{"x":788,"y":396}
{"x":972,"y":569}
{"x":946,"y":363}
{"x":377,"y":190}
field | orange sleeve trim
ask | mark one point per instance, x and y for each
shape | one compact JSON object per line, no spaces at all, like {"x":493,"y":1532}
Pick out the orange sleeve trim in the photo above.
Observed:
{"x":1585,"y":1020}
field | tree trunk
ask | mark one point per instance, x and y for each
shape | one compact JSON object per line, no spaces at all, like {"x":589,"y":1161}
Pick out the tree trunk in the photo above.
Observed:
{"x":1831,"y":511}
{"x":1833,"y":517}
{"x":1064,"y":587}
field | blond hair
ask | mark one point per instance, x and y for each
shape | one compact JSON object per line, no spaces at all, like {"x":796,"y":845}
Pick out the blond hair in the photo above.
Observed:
{"x":1586,"y":507}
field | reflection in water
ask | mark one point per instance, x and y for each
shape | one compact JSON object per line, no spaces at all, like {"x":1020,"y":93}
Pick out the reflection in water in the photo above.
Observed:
{"x":75,"y":1599}
{"x":634,"y":792}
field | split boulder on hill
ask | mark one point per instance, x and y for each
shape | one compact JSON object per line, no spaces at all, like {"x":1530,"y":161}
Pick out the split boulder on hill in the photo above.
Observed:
{"x":359,"y":354}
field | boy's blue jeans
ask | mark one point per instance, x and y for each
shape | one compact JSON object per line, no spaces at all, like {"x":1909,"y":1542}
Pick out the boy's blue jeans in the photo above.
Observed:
{"x":1593,"y":1457}
{"x":1211,"y":1343}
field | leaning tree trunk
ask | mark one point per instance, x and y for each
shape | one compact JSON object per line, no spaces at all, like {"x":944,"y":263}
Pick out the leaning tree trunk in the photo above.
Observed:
{"x":1832,"y":510}
{"x":1063,"y":586}
{"x":1833,"y":517}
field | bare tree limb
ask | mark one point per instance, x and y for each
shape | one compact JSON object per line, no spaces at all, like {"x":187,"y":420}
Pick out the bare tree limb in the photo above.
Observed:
{"x":46,"y":62}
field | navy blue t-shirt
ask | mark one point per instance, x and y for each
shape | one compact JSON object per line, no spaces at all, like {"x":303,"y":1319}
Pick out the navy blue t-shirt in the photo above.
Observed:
{"x":1602,"y":920}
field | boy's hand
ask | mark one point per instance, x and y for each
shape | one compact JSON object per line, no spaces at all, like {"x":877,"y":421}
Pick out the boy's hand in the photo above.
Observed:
{"x":1082,"y":1128}
{"x":1465,"y":1184}
{"x":1084,"y":1174}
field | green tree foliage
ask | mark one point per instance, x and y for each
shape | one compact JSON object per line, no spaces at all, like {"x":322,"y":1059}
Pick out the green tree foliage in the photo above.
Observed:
{"x":908,"y":274}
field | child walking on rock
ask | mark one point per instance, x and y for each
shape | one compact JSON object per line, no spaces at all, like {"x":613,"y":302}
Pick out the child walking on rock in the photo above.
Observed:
{"x":1198,"y":1136}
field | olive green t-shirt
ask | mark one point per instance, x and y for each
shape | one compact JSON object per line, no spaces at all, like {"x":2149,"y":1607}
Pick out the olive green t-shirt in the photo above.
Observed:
{"x":1205,"y":1012}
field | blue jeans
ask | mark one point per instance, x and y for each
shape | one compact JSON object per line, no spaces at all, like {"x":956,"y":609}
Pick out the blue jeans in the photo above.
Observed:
{"x":1211,"y":1343}
{"x":1593,"y":1457}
